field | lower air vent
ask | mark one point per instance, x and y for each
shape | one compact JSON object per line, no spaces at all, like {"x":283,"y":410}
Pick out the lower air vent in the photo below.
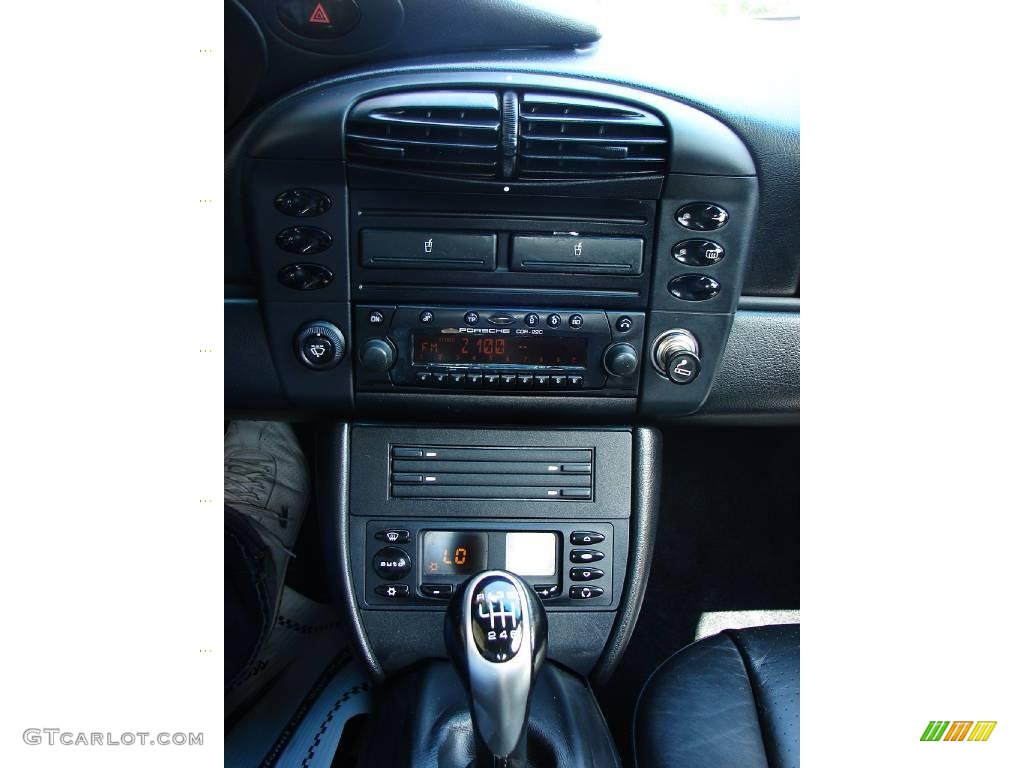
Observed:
{"x":443,"y":133}
{"x":451,"y":472}
{"x":573,"y":137}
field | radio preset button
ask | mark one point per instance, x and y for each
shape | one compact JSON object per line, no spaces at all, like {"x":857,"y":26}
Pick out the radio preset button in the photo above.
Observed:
{"x":422,"y":377}
{"x":492,"y":380}
{"x":531,"y":319}
{"x":576,"y":382}
{"x":508,"y":379}
{"x":392,"y":563}
{"x":542,"y":381}
{"x":554,"y":319}
{"x":456,"y":379}
{"x":525,"y":380}
{"x":558,"y":381}
{"x":471,"y":318}
{"x":575,"y":321}
{"x":440,"y":378}
{"x":474,"y":379}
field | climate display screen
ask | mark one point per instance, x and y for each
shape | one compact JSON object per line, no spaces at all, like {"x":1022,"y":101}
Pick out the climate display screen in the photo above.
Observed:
{"x":454,"y":553}
{"x":454,"y":348}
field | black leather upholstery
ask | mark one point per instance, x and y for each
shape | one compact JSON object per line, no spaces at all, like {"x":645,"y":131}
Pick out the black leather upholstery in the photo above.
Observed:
{"x":728,"y":700}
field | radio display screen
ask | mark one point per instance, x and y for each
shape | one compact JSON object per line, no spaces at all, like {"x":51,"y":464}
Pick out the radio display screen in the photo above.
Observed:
{"x":454,"y":553}
{"x":455,"y":348}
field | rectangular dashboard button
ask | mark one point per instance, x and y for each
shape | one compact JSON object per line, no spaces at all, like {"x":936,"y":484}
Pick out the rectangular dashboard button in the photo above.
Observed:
{"x":578,"y":255}
{"x":416,"y":249}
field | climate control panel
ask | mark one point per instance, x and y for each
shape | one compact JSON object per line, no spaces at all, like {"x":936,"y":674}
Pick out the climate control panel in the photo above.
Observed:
{"x":421,"y":563}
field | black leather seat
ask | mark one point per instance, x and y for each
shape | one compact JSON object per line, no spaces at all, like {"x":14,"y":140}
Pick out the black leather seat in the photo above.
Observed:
{"x":732,"y":699}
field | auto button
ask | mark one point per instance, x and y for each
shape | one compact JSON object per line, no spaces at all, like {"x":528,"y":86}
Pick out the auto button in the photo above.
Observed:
{"x":392,"y":563}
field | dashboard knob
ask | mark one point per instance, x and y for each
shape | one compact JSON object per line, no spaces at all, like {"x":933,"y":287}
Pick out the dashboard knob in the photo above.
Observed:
{"x":320,"y":345}
{"x":676,"y":356}
{"x":620,"y":360}
{"x":377,"y":355}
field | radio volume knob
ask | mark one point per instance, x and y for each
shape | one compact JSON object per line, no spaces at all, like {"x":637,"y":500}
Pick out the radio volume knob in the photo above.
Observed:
{"x":377,"y":355}
{"x":676,"y":356}
{"x":620,"y":360}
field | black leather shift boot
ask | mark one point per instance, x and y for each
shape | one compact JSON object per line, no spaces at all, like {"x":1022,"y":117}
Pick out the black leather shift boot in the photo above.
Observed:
{"x":421,"y":719}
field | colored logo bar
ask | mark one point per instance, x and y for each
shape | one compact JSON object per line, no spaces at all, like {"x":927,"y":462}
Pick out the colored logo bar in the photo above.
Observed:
{"x":958,"y":730}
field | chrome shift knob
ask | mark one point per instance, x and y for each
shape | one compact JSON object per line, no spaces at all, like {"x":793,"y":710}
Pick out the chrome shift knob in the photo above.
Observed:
{"x":496,"y":632}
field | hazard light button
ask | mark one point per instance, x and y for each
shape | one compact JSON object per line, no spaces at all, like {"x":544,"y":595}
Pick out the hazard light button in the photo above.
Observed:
{"x":319,"y":19}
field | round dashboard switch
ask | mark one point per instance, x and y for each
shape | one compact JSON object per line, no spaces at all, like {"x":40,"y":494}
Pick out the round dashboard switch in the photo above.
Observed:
{"x":702,"y":217}
{"x":426,"y":317}
{"x":302,"y":202}
{"x":392,"y":563}
{"x":471,"y":318}
{"x":698,"y":253}
{"x":531,"y":319}
{"x":694,"y":287}
{"x":554,"y":320}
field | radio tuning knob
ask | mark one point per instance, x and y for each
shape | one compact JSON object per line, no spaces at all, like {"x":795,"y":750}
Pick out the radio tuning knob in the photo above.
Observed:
{"x":676,"y":356}
{"x":377,"y":355}
{"x":620,"y":360}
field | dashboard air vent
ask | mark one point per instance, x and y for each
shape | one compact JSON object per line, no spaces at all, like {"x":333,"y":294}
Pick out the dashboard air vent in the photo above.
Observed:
{"x":443,"y":133}
{"x":571,"y":137}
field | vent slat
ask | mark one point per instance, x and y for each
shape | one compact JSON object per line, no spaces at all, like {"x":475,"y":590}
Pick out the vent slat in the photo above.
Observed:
{"x":416,"y":142}
{"x":469,"y":125}
{"x":586,"y":159}
{"x":441,"y":133}
{"x":600,"y":139}
{"x":607,"y":120}
{"x":565,"y":136}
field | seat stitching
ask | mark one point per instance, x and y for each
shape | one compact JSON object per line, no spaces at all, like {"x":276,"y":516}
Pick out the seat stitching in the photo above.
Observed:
{"x":748,"y":668}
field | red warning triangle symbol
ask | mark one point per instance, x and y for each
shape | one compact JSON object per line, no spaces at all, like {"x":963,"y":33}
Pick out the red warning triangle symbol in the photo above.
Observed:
{"x":319,"y":15}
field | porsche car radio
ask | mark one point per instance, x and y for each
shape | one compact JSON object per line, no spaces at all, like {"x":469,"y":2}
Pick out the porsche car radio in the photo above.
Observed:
{"x":495,"y":351}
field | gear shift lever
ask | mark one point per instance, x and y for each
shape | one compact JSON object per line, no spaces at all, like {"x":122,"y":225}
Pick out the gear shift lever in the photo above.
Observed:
{"x":496,"y":632}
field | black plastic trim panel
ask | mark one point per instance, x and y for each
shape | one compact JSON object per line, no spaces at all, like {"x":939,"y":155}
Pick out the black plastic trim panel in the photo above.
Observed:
{"x":643,"y":527}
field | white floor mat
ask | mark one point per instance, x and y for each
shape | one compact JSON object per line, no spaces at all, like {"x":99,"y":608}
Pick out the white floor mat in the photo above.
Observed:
{"x":292,"y":708}
{"x":713,"y":622}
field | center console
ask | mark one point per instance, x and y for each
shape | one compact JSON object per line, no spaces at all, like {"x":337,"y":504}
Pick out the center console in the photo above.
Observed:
{"x":427,"y":508}
{"x":439,"y":250}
